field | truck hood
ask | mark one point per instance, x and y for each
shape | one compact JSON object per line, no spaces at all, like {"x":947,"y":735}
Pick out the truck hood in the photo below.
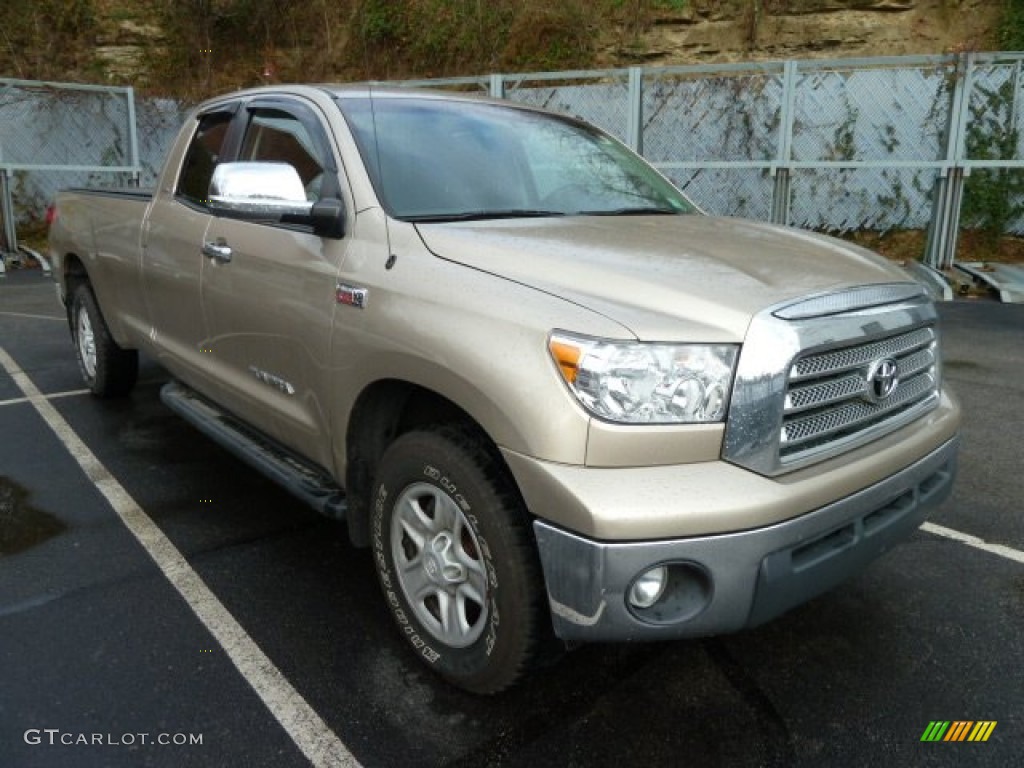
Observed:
{"x":667,"y":278}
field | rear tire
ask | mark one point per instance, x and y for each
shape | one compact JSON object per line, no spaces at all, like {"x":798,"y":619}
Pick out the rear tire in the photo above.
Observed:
{"x":108,"y":370}
{"x":456,"y":559}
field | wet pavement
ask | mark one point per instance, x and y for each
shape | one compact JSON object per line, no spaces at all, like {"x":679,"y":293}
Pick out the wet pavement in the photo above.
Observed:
{"x":94,"y":640}
{"x":23,"y":526}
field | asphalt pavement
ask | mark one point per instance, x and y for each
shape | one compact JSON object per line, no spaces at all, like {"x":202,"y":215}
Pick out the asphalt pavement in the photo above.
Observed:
{"x":282,"y":646}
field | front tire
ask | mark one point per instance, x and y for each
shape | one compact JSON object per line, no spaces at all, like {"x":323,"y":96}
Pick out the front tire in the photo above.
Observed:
{"x":455,"y":556}
{"x":108,"y":370}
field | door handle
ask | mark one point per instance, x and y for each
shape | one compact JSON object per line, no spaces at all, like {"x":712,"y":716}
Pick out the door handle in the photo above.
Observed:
{"x":220,"y":250}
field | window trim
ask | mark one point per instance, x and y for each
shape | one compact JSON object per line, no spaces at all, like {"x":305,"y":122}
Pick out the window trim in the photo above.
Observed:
{"x":229,"y":149}
{"x":305,"y":115}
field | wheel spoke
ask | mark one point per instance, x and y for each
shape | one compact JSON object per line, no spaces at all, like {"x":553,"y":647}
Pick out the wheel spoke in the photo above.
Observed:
{"x":446,"y":513}
{"x":86,"y":342}
{"x":471,"y":560}
{"x":416,"y":581}
{"x":469,"y":592}
{"x":455,"y":624}
{"x":445,"y":605}
{"x":418,"y":537}
{"x":418,"y":506}
{"x":476,"y":579}
{"x":439,"y":564}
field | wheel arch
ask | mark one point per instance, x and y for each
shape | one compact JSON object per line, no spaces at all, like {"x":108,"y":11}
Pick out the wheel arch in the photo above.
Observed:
{"x":383,"y":411}
{"x":73,"y":274}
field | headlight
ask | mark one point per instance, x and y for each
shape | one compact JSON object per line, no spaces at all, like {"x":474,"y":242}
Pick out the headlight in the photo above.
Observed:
{"x":643,"y":383}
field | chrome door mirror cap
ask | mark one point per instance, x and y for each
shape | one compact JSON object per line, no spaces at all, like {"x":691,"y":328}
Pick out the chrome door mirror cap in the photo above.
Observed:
{"x":273,"y":189}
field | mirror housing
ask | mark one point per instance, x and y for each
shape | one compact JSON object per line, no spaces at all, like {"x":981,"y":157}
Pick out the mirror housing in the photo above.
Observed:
{"x":258,"y":191}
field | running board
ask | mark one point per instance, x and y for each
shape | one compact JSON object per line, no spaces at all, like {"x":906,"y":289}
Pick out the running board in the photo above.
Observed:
{"x":302,"y":479}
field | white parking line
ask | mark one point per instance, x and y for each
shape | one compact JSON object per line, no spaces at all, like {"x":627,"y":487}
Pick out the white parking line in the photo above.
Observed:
{"x":53,"y":396}
{"x":305,"y":727}
{"x":973,"y":541}
{"x":62,"y":318}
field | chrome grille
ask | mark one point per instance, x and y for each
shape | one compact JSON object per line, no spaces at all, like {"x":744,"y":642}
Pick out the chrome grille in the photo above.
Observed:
{"x":854,"y":357}
{"x":829,"y":400}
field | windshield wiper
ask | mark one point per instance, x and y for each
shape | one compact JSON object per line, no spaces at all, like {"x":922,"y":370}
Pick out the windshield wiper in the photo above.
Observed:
{"x":649,"y":211}
{"x":511,"y":213}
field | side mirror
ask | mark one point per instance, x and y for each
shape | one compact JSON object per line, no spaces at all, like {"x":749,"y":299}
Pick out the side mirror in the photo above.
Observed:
{"x":275,"y":191}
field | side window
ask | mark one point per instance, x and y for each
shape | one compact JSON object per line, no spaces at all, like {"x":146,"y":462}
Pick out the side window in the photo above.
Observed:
{"x":274,"y":136}
{"x":202,"y":156}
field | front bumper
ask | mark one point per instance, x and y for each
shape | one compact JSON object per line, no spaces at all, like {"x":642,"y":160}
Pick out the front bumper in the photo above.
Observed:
{"x":722,"y":583}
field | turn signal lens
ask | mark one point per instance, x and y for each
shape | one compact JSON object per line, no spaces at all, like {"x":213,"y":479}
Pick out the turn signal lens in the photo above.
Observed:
{"x":567,"y":356}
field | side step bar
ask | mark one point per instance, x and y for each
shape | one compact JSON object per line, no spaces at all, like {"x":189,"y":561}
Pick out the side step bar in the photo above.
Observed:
{"x":305,"y":481}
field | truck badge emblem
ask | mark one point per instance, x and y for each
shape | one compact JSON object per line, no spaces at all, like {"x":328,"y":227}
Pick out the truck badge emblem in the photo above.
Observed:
{"x":351,"y":296}
{"x":274,"y":381}
{"x":883,"y":378}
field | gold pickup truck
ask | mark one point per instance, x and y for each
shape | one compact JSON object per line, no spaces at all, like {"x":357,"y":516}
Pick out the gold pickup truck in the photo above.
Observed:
{"x":557,"y":401}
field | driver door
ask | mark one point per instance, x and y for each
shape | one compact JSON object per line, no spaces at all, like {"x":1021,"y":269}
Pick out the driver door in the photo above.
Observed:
{"x":269,"y":305}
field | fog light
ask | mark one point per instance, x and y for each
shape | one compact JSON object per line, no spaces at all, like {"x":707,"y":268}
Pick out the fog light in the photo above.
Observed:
{"x":648,"y":587}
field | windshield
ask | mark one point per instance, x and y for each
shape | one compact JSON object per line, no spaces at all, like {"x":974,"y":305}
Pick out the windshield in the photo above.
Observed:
{"x":436,"y":160}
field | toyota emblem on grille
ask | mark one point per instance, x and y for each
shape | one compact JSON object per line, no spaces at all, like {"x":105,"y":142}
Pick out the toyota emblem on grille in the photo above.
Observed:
{"x":883,"y":378}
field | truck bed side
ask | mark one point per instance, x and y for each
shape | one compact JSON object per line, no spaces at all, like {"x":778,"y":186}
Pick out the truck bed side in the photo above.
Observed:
{"x":100,"y":232}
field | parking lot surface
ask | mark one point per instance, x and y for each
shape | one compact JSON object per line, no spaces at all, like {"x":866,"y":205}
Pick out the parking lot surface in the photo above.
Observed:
{"x":161,"y":604}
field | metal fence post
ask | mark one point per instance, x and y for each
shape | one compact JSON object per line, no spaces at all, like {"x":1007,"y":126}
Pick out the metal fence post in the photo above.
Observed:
{"x":133,"y":136}
{"x":780,"y":169}
{"x":10,"y":241}
{"x":1016,"y":92}
{"x":947,"y":196}
{"x":635,"y":124}
{"x":497,"y":86}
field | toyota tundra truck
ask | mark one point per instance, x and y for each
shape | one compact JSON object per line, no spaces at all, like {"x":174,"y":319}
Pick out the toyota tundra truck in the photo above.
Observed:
{"x":557,"y":402}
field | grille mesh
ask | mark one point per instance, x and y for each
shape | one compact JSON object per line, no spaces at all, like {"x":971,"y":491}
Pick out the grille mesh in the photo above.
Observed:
{"x":829,"y":400}
{"x":852,"y":357}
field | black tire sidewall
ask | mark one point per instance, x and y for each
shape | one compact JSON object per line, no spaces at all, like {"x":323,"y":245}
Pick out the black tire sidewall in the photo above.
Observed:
{"x":494,"y":660}
{"x":116,"y":368}
{"x":83,"y":299}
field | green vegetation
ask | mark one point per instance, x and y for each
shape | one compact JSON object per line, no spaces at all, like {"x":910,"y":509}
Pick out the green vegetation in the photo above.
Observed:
{"x":993,"y":197}
{"x":212,"y":45}
{"x":1011,"y":26}
{"x":44,"y":39}
{"x":192,"y":48}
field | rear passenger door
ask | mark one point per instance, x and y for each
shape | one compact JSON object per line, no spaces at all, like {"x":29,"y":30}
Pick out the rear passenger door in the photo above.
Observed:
{"x":269,"y":308}
{"x":173,"y":235}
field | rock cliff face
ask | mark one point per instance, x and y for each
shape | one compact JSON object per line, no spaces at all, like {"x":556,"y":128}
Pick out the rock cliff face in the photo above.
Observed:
{"x":652,"y":32}
{"x":705,"y":31}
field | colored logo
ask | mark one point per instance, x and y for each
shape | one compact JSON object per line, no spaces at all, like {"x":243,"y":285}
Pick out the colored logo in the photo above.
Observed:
{"x":958,"y":730}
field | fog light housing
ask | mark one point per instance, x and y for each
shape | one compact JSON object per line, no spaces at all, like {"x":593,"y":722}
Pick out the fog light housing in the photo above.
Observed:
{"x":670,"y":593}
{"x":648,"y":587}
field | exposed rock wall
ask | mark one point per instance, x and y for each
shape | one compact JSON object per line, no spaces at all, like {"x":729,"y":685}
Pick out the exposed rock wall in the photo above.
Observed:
{"x":698,"y":31}
{"x":705,"y":31}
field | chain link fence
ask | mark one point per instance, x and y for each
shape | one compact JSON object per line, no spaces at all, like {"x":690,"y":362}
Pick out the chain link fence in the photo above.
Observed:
{"x":847,"y":145}
{"x":61,"y":135}
{"x":157,"y":123}
{"x":58,"y":135}
{"x":923,"y":142}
